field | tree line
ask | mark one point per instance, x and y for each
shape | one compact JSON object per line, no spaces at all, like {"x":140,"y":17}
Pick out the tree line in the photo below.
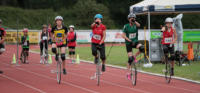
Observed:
{"x":34,"y":13}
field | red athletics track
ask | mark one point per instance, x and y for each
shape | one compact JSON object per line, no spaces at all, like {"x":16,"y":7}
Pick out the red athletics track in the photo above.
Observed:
{"x":37,"y":78}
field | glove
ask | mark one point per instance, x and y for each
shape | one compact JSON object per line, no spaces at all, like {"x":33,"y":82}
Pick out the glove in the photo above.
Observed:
{"x":97,"y":23}
{"x":133,"y":20}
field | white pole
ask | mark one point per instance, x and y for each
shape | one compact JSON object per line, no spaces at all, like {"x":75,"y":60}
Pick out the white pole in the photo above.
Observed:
{"x":17,"y":63}
{"x":149,"y":34}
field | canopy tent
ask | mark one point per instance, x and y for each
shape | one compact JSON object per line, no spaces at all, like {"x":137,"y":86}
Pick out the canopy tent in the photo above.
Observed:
{"x":165,"y":6}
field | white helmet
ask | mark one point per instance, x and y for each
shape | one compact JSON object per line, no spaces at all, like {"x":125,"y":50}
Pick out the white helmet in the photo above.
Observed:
{"x":71,"y":26}
{"x":169,"y":20}
{"x":58,"y":18}
{"x":131,"y":15}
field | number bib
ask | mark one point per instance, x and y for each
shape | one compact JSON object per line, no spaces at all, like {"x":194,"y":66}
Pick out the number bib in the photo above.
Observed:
{"x":44,"y":38}
{"x":168,"y":40}
{"x":97,"y":37}
{"x":25,"y":43}
{"x":132,"y":35}
{"x":59,"y":37}
{"x":59,"y":40}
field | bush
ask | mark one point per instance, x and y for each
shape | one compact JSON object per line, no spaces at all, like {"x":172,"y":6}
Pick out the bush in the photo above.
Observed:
{"x":32,"y":19}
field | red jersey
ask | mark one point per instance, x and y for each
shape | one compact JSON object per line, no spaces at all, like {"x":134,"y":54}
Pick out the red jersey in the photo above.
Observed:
{"x":168,"y":36}
{"x":97,"y":33}
{"x":71,"y":37}
{"x":2,"y":33}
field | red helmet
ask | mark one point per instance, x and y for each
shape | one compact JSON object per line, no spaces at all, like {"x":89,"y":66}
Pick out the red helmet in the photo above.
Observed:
{"x":25,"y":30}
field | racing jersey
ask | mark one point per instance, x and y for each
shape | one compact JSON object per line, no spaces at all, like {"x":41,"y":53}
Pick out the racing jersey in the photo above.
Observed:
{"x":97,"y":33}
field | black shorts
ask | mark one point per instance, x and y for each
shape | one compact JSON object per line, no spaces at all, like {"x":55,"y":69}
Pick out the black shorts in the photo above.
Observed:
{"x":2,"y":46}
{"x":25,"y":49}
{"x":101,"y":49}
{"x":168,"y":49}
{"x":71,"y":47}
{"x":130,"y":46}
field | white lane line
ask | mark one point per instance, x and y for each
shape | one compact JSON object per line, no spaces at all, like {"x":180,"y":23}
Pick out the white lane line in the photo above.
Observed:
{"x":84,"y":77}
{"x":145,"y":80}
{"x":24,"y":84}
{"x":108,"y":82}
{"x":148,"y":81}
{"x":111,"y":83}
{"x":160,"y":84}
{"x":40,"y":75}
{"x":144,"y":72}
{"x":151,"y":82}
{"x":154,"y":74}
{"x":88,"y":90}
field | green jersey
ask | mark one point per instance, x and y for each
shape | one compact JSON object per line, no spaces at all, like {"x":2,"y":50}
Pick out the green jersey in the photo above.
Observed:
{"x":25,"y":41}
{"x":131,"y":32}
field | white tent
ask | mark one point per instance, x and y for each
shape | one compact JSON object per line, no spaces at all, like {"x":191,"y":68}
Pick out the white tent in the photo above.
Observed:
{"x":164,"y":6}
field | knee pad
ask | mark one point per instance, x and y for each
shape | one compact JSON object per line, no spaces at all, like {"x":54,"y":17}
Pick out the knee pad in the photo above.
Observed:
{"x":172,"y":58}
{"x":141,"y":48}
{"x":130,"y":60}
{"x":26,"y":53}
{"x":94,"y":53}
{"x":70,"y":52}
{"x":63,"y":57}
{"x":103,"y":58}
{"x":73,"y":52}
{"x":54,"y":50}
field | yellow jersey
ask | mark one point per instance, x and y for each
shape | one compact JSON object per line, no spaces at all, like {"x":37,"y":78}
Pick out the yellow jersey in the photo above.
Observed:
{"x":59,"y":34}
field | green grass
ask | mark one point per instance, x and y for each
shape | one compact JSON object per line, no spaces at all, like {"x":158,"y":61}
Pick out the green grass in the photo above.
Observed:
{"x":118,"y":56}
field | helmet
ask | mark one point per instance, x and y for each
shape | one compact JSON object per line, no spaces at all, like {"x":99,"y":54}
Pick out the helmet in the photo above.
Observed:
{"x":58,"y":18}
{"x":98,"y":16}
{"x":169,"y":20}
{"x":71,"y":26}
{"x":25,"y":30}
{"x":44,"y":26}
{"x":131,"y":15}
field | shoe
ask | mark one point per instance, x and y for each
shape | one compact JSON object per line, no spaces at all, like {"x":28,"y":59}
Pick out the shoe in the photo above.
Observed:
{"x":27,"y":62}
{"x":103,"y":69}
{"x":46,"y":62}
{"x":96,"y":60}
{"x":40,"y":61}
{"x":64,"y":71}
{"x":73,"y":61}
{"x":128,"y":76}
{"x":1,"y":72}
{"x":56,"y":58}
{"x":172,"y":71}
{"x":135,"y":60}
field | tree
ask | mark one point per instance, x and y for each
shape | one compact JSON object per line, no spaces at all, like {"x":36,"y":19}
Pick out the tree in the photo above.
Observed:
{"x":83,"y":13}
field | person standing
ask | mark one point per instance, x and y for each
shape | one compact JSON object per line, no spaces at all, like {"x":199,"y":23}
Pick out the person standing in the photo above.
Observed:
{"x":98,"y":38}
{"x":169,"y":37}
{"x":2,"y":39}
{"x":44,"y":43}
{"x":130,"y":34}
{"x":71,"y":37}
{"x":25,"y":44}
{"x":59,"y":37}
